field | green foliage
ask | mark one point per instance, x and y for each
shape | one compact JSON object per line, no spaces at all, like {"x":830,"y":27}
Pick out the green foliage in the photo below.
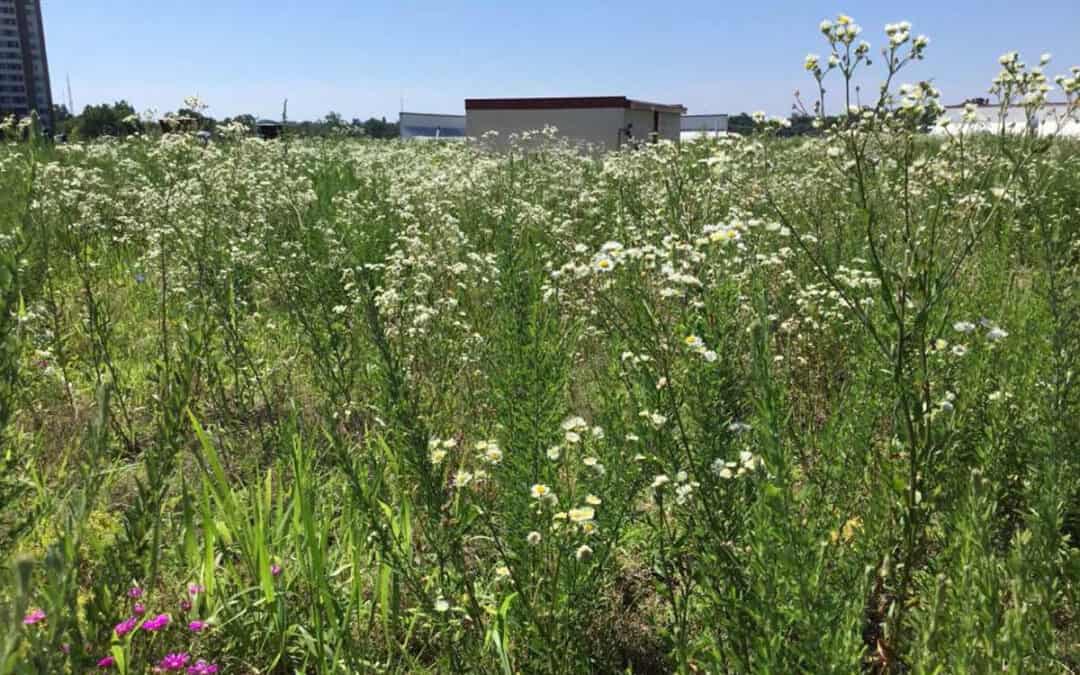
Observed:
{"x":748,"y":404}
{"x":105,"y":120}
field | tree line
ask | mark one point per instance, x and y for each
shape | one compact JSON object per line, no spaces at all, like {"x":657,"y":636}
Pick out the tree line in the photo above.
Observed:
{"x":120,"y":119}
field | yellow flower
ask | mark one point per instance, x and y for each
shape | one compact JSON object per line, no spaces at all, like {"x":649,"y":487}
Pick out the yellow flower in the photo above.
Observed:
{"x":582,"y":514}
{"x":847,"y":531}
{"x":603,"y":262}
{"x":725,"y":235}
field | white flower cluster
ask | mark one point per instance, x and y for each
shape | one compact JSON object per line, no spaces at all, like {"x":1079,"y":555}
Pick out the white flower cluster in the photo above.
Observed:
{"x":683,"y":486}
{"x":748,"y":462}
{"x":844,"y":30}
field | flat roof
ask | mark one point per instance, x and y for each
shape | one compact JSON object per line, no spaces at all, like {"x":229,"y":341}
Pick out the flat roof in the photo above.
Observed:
{"x":569,"y":102}
{"x":991,"y":104}
{"x":416,"y":114}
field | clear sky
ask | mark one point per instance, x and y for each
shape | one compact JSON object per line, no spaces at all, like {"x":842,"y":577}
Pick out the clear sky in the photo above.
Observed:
{"x":361,"y":58}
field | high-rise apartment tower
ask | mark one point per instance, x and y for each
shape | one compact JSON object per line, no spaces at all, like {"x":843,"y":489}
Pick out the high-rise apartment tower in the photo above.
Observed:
{"x":24,"y":68}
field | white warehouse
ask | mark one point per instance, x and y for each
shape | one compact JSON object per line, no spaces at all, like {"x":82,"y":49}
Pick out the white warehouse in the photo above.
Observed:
{"x":605,"y":122}
{"x":699,"y":126}
{"x":431,"y":125}
{"x":1053,"y":118}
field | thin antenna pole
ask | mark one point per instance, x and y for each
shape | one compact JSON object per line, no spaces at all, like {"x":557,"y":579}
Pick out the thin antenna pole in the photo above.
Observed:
{"x":70,"y":101}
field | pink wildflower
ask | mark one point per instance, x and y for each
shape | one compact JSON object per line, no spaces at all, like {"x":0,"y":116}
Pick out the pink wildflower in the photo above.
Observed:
{"x":196,"y":626}
{"x":106,"y":662}
{"x":201,"y":667}
{"x":195,"y":589}
{"x":135,"y":592}
{"x":157,"y":623}
{"x":34,"y":617}
{"x":275,"y":570}
{"x":139,"y":609}
{"x":185,"y":605}
{"x":174,"y":661}
{"x":125,"y":627}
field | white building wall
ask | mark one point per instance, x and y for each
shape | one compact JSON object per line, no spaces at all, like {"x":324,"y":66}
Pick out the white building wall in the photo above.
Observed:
{"x":643,"y":124}
{"x":705,"y":123}
{"x":598,"y":126}
{"x":989,"y":120}
{"x":670,"y":125}
{"x":428,"y":125}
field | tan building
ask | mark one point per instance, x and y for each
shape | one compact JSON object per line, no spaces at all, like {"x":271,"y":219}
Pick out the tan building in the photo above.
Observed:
{"x":24,"y":68}
{"x":606,"y":122}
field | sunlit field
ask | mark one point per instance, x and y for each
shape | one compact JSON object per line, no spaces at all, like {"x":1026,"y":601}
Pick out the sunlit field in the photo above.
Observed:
{"x":740,"y":405}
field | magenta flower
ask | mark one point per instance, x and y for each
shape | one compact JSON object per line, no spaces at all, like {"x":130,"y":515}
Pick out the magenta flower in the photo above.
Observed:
{"x":174,"y":661}
{"x":195,"y":589}
{"x":34,"y":617}
{"x":202,"y":668}
{"x":157,"y":623}
{"x":65,"y":648}
{"x":125,"y":627}
{"x":139,"y":609}
{"x":185,"y":605}
{"x":135,"y":592}
{"x":196,"y":626}
{"x":107,"y":662}
{"x":275,"y":570}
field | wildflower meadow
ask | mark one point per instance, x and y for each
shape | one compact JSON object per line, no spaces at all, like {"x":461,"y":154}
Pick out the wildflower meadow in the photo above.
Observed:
{"x":747,"y":404}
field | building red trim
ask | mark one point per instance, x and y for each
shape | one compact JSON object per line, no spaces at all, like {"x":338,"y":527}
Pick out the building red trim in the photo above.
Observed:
{"x":567,"y":103}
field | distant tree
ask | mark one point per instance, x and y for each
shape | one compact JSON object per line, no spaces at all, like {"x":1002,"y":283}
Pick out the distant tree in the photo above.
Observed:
{"x":740,"y":124}
{"x":245,"y":119}
{"x":63,"y":119}
{"x":380,"y":128}
{"x":106,"y":120}
{"x":202,"y":122}
{"x":60,"y":113}
{"x":334,"y":119}
{"x":801,"y":125}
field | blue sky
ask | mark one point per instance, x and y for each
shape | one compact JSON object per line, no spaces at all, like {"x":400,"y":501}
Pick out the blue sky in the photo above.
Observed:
{"x":362,"y":58}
